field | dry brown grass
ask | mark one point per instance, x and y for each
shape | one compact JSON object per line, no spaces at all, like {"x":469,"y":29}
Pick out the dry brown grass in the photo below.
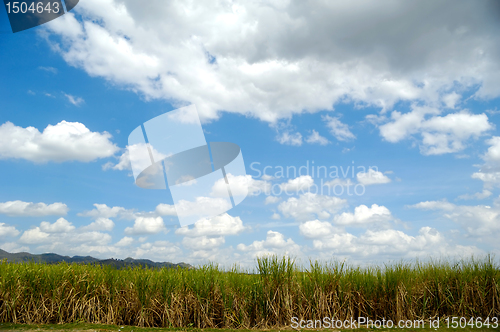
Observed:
{"x":211,"y":298}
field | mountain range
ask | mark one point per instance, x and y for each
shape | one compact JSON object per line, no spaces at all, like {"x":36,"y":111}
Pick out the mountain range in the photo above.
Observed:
{"x":51,"y":258}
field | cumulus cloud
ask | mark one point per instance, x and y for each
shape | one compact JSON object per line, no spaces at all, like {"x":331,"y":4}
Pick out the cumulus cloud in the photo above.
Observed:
{"x":240,"y":185}
{"x":493,"y":153}
{"x":124,"y":242}
{"x":439,"y":134}
{"x":202,"y":206}
{"x":122,"y":164}
{"x":301,"y":183}
{"x":203,"y":242}
{"x":478,"y":220}
{"x":299,"y":57}
{"x":308,"y":205}
{"x":380,"y":244}
{"x":338,"y":129}
{"x":100,"y":224}
{"x":221,"y":225}
{"x":275,"y":243}
{"x":160,"y":251}
{"x":394,"y":241}
{"x":8,"y":231}
{"x":372,"y":177}
{"x":146,"y":225}
{"x":434,"y":205}
{"x":34,"y":236}
{"x":104,"y":211}
{"x":482,"y":195}
{"x":166,"y":210}
{"x":207,"y":235}
{"x":490,"y":171}
{"x":271,"y":200}
{"x":65,"y":141}
{"x":314,"y":229}
{"x":60,"y":226}
{"x":30,"y":209}
{"x":275,"y":216}
{"x":364,"y":215}
{"x":63,"y":235}
{"x":339,"y":182}
{"x":451,"y":99}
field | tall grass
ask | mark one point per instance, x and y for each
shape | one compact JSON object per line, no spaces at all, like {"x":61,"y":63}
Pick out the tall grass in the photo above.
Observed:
{"x":210,"y":297}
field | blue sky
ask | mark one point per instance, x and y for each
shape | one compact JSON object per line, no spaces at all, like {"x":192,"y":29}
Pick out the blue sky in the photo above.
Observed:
{"x":291,"y":85}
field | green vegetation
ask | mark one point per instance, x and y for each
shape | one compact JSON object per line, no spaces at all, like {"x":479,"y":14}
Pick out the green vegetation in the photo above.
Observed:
{"x":209,"y":297}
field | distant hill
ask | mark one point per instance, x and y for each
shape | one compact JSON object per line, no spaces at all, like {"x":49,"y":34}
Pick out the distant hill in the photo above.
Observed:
{"x":117,"y":263}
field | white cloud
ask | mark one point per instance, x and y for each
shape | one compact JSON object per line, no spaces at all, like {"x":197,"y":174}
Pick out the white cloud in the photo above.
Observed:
{"x":7,"y":231}
{"x":287,"y":138}
{"x":394,"y":241}
{"x":308,"y":205}
{"x":482,"y":195}
{"x":364,"y":215}
{"x":490,"y":171}
{"x":339,"y":182}
{"x":221,"y":225}
{"x":66,"y":141}
{"x":301,"y":183}
{"x":30,"y":209}
{"x":381,"y":245}
{"x":493,"y":153}
{"x":434,"y":205}
{"x":203,"y":242}
{"x":372,"y":177}
{"x":202,"y":206}
{"x":266,"y":177}
{"x":124,"y":242}
{"x":160,"y":251}
{"x":271,"y":200}
{"x":34,"y":236}
{"x":146,"y":225}
{"x":165,"y":210}
{"x":91,"y":238}
{"x":479,"y":220}
{"x":63,"y":236}
{"x":60,"y":226}
{"x":100,"y":224}
{"x":104,"y":211}
{"x":314,"y":229}
{"x":13,"y":247}
{"x":316,"y":138}
{"x":207,"y":235}
{"x":338,"y":129}
{"x":274,"y":243}
{"x":123,"y":163}
{"x":440,"y":134}
{"x":240,"y":185}
{"x":451,"y":99}
{"x":275,"y":216}
{"x":77,"y":101}
{"x":490,"y":178}
{"x":271,"y":60}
